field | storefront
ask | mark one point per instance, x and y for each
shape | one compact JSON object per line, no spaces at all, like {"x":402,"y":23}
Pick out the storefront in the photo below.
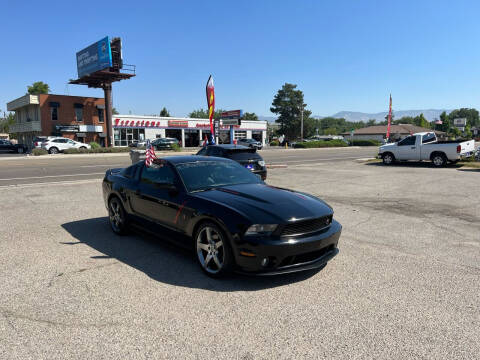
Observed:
{"x":189,"y":132}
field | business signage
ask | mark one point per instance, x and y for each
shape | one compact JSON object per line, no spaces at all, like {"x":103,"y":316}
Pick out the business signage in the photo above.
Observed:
{"x":460,"y":122}
{"x":96,"y":57}
{"x":227,"y":122}
{"x":232,"y":114}
{"x":177,"y":123}
{"x":67,"y":128}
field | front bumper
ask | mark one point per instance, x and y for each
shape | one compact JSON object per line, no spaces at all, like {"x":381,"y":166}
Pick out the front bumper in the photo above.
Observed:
{"x":289,"y":254}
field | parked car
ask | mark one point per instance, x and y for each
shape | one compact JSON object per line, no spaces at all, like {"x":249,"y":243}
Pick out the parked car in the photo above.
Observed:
{"x":228,"y":217}
{"x":247,"y":157}
{"x":164,"y":143}
{"x":6,"y":146}
{"x":38,"y":140}
{"x":59,"y":144}
{"x":425,"y":146}
{"x":250,"y":143}
{"x":140,"y":143}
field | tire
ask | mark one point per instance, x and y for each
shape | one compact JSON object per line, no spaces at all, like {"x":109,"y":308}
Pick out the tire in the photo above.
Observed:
{"x":212,"y":250}
{"x":83,"y":148}
{"x":53,"y":150}
{"x":117,"y":216}
{"x":388,"y":158}
{"x":439,"y":160}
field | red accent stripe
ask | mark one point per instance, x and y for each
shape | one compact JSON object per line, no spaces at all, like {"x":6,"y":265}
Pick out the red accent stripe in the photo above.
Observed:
{"x":179,"y":211}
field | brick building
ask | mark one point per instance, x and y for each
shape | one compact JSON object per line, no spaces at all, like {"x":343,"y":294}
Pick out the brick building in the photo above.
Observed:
{"x":75,"y":117}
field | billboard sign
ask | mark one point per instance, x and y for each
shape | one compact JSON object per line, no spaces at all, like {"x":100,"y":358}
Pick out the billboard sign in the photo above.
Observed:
{"x":96,"y":57}
{"x":232,"y":114}
{"x":460,"y":122}
{"x":226,"y":122}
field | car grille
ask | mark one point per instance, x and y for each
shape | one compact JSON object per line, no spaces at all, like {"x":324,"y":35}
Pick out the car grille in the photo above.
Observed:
{"x":305,"y":258}
{"x":306,"y":226}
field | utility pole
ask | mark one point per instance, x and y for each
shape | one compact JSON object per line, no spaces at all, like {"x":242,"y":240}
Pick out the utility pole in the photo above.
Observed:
{"x":301,"y":123}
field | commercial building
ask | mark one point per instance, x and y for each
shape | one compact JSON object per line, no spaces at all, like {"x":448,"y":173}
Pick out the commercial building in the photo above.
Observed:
{"x":190,"y":132}
{"x":379,"y":132}
{"x":75,"y":117}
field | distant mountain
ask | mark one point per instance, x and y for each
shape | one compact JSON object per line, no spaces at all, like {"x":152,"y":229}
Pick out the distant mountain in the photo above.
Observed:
{"x":430,"y":114}
{"x":355,"y":116}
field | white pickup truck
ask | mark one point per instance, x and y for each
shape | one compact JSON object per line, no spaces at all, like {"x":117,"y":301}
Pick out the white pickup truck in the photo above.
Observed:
{"x":424,"y":146}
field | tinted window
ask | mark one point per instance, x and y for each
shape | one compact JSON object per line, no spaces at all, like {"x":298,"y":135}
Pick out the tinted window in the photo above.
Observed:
{"x":428,"y":138}
{"x":157,"y":173}
{"x":201,"y":175}
{"x":243,"y":155}
{"x":407,"y":141}
{"x":202,"y":152}
{"x":60,"y":140}
{"x":214,"y":151}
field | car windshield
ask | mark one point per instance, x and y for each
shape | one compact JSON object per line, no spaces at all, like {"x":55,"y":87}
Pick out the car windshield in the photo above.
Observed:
{"x":204,"y":175}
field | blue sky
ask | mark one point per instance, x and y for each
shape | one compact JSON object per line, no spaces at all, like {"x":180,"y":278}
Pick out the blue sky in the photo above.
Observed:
{"x":344,"y":55}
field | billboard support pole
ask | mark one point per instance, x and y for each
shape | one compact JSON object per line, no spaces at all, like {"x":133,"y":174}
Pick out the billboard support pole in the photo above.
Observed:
{"x":107,"y":89}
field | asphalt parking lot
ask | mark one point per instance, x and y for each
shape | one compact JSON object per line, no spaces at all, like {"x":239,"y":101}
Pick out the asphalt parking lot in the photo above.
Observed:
{"x":405,"y":284}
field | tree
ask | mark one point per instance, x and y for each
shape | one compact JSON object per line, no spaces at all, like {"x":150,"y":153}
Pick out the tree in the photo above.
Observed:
{"x":250,"y":116}
{"x":38,"y":87}
{"x":114,"y":111}
{"x":420,"y":120}
{"x":164,"y":112}
{"x":288,"y":104}
{"x":371,"y":122}
{"x":471,"y":115}
{"x":203,"y":114}
{"x":7,"y":121}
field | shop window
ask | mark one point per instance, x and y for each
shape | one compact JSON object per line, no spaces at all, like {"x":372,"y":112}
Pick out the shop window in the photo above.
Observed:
{"x":79,"y":114}
{"x":54,"y":113}
{"x":124,"y":137}
{"x":101,"y":117}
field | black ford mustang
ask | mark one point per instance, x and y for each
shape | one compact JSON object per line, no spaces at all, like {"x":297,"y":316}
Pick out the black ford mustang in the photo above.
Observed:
{"x":227,"y":215}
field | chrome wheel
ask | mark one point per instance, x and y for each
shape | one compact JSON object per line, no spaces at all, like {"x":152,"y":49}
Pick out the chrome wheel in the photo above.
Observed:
{"x":53,"y":150}
{"x":116,"y":215}
{"x":438,"y":160}
{"x":210,"y":249}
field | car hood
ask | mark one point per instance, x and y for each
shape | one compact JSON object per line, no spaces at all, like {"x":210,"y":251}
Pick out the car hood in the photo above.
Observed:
{"x":387,"y":146}
{"x":267,"y":204}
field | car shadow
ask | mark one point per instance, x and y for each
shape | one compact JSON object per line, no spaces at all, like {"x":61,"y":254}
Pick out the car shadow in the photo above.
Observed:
{"x":164,"y":262}
{"x":469,"y":169}
{"x":412,"y":164}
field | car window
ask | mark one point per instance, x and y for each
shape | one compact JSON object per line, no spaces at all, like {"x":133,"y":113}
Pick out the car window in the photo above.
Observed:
{"x":203,"y":152}
{"x":428,"y":138}
{"x":60,"y":140}
{"x":201,"y":175}
{"x":158,"y":172}
{"x":71,"y":142}
{"x":410,"y":140}
{"x":214,"y":151}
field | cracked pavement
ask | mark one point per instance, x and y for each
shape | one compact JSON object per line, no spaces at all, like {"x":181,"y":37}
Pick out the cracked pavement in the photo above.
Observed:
{"x":405,"y":284}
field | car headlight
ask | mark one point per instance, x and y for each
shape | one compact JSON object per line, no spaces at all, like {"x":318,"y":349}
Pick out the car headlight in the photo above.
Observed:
{"x":261,"y":229}
{"x":261,"y":163}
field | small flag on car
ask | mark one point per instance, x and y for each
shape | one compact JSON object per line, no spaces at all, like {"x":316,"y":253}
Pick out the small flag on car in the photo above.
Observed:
{"x":149,"y":154}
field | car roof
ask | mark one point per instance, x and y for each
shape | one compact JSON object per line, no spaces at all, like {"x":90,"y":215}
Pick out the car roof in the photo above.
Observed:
{"x":229,"y":146}
{"x":180,"y":159}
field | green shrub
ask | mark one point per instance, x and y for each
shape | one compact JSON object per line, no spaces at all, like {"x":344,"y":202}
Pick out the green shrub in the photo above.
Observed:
{"x":71,"y":151}
{"x":95,"y":145}
{"x":321,"y":144}
{"x":365,"y":143}
{"x":274,"y":143}
{"x":38,"y":152}
{"x":176,"y":147}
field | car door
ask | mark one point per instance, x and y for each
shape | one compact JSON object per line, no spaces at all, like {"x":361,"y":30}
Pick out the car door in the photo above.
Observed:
{"x":61,"y":144}
{"x":407,"y":149}
{"x":4,"y":146}
{"x":154,"y":202}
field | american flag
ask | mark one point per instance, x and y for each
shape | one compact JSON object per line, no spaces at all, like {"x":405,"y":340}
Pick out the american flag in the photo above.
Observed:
{"x":150,"y":154}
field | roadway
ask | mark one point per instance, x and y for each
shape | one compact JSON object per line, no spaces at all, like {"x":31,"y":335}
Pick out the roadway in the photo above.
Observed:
{"x":21,"y":170}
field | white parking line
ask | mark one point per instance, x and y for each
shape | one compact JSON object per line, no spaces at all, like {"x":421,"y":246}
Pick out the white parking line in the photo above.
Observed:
{"x":102,"y":165}
{"x":51,"y":176}
{"x":50,"y":183}
{"x":316,"y":160}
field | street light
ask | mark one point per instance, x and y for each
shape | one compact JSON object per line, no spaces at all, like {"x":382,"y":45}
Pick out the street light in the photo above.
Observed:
{"x":301,"y":123}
